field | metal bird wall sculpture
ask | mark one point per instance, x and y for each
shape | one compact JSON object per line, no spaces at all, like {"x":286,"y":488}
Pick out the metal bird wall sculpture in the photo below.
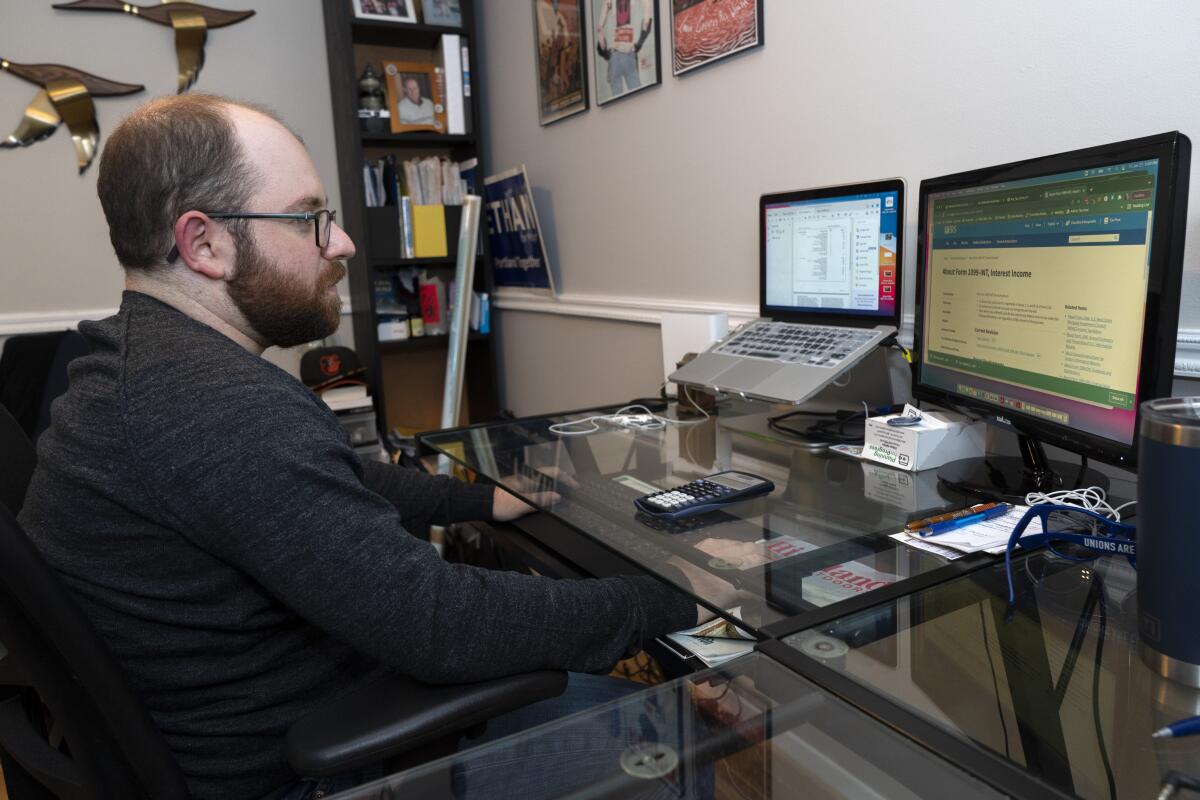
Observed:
{"x":64,"y":95}
{"x":191,"y":22}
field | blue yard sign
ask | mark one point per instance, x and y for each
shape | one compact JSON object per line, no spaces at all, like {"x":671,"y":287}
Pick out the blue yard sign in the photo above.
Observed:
{"x":518,"y":252}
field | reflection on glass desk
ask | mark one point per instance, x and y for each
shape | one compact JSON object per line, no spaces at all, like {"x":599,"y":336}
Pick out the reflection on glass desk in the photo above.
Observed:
{"x":750,"y":730}
{"x":818,"y":539}
{"x":1054,"y":690}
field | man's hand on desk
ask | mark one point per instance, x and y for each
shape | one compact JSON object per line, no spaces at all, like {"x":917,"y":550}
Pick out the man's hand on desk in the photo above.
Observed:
{"x":720,"y":593}
{"x":507,"y":506}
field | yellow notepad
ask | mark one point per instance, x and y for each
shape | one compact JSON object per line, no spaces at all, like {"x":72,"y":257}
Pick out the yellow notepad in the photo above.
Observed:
{"x":429,"y":232}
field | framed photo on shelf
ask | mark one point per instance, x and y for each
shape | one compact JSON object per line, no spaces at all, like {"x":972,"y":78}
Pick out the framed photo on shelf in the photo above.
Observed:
{"x":561,"y":68}
{"x":441,"y":12}
{"x":414,"y":97}
{"x":704,"y":31}
{"x":626,"y":56}
{"x":386,"y":10}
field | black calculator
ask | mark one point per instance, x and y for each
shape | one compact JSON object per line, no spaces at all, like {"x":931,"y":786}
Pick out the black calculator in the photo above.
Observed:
{"x":705,"y":494}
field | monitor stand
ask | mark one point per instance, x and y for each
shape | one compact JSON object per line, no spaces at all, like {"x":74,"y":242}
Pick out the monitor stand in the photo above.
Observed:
{"x":1010,"y":478}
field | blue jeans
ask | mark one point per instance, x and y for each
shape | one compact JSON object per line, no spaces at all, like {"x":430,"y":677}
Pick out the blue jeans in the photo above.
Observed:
{"x":623,"y":68}
{"x":582,"y":753}
{"x":578,"y":754}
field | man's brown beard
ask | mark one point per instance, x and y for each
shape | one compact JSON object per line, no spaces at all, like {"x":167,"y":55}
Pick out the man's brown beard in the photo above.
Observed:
{"x":283,"y":311}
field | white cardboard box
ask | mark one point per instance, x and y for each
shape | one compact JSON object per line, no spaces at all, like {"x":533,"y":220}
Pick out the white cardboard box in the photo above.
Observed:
{"x":939,"y":437}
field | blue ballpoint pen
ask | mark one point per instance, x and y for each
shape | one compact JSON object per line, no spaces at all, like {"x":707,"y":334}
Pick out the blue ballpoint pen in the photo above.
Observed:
{"x":953,"y":524}
{"x":1184,"y":727}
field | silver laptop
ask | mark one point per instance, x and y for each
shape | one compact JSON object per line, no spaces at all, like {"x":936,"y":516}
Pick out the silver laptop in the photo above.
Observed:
{"x":829,"y":293}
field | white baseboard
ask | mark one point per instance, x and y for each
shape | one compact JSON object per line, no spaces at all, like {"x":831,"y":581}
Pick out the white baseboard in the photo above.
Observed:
{"x":641,"y":310}
{"x":1187,"y":354}
{"x":44,"y":321}
{"x":611,"y":307}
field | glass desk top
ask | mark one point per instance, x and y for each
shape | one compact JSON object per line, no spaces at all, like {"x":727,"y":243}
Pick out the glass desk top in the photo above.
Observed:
{"x":752,"y":729}
{"x":819,"y":538}
{"x":1056,"y":689}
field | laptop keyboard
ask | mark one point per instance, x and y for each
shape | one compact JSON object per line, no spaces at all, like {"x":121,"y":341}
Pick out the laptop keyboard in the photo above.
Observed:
{"x":796,"y":343}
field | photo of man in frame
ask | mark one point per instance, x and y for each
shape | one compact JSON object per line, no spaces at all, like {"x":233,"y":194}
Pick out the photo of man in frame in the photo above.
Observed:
{"x":415,"y":106}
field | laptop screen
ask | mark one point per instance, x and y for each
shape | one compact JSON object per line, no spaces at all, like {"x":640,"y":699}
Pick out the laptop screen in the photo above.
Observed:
{"x":833,"y":253}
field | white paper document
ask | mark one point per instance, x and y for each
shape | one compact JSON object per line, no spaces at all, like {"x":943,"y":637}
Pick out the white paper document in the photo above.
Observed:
{"x":989,"y":535}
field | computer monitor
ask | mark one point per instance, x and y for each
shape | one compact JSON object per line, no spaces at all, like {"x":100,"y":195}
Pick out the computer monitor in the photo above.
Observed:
{"x":832,"y":255}
{"x":1048,"y":301}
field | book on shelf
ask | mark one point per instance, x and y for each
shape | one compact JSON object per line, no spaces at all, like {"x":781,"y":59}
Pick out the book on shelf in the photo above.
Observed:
{"x":381,"y":182}
{"x":449,"y":55}
{"x":408,"y":247}
{"x":466,"y":84}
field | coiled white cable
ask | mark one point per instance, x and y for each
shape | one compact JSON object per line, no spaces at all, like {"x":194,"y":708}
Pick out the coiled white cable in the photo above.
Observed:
{"x":617,"y":418}
{"x":1093,"y":498}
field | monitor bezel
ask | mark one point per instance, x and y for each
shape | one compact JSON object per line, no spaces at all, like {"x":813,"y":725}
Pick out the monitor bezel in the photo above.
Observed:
{"x":1160,"y":326}
{"x":851,"y":319}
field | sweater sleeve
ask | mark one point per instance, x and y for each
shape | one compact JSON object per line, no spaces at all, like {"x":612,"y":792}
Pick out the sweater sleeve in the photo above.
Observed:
{"x":423,"y":500}
{"x":274,"y":490}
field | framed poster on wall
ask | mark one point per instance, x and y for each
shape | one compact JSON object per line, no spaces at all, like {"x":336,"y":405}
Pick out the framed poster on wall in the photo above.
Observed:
{"x":704,"y":31}
{"x":626,"y":56}
{"x":560,"y":42}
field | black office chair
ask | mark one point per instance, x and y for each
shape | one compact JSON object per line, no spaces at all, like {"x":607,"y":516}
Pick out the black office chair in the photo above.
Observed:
{"x":17,"y":461}
{"x":100,"y":742}
{"x":57,"y":671}
{"x":33,"y":371}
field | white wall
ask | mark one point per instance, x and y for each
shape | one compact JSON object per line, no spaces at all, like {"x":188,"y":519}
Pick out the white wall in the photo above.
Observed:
{"x":655,"y":196}
{"x":56,"y":263}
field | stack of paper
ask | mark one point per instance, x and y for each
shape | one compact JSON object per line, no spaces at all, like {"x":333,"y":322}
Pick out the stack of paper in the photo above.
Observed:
{"x":434,"y":181}
{"x":715,"y":642}
{"x":342,"y":398}
{"x":988,"y":536}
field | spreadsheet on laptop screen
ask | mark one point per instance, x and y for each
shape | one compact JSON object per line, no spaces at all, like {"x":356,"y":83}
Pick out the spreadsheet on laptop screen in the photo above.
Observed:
{"x":833,"y":255}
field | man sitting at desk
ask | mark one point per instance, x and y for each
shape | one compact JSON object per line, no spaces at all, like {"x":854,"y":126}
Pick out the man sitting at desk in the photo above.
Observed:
{"x":207,"y":510}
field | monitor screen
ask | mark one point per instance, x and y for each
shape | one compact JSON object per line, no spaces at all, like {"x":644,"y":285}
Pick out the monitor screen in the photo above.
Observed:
{"x":1040,"y":292}
{"x":833,"y":252}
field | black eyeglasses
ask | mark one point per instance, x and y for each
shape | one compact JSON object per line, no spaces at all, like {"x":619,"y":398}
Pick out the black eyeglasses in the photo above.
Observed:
{"x":324,"y":220}
{"x":1061,"y":524}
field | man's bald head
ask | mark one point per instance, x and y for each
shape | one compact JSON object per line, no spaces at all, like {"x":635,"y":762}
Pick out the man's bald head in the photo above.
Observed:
{"x":172,"y":155}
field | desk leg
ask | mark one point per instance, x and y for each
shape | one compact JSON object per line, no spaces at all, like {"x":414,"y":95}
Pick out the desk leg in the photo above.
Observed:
{"x":1032,"y":687}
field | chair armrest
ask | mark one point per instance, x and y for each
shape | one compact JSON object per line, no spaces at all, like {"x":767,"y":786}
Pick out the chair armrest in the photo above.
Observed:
{"x":393,"y":715}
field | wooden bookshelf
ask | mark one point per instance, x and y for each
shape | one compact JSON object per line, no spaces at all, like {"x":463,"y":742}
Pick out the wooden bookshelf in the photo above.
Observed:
{"x":406,"y":375}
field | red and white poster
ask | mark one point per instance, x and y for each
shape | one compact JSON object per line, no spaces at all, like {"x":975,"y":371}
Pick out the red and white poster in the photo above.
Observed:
{"x":704,"y":31}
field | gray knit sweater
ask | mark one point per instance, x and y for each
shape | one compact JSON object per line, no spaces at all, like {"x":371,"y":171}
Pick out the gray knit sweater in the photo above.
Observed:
{"x":243,"y":564}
